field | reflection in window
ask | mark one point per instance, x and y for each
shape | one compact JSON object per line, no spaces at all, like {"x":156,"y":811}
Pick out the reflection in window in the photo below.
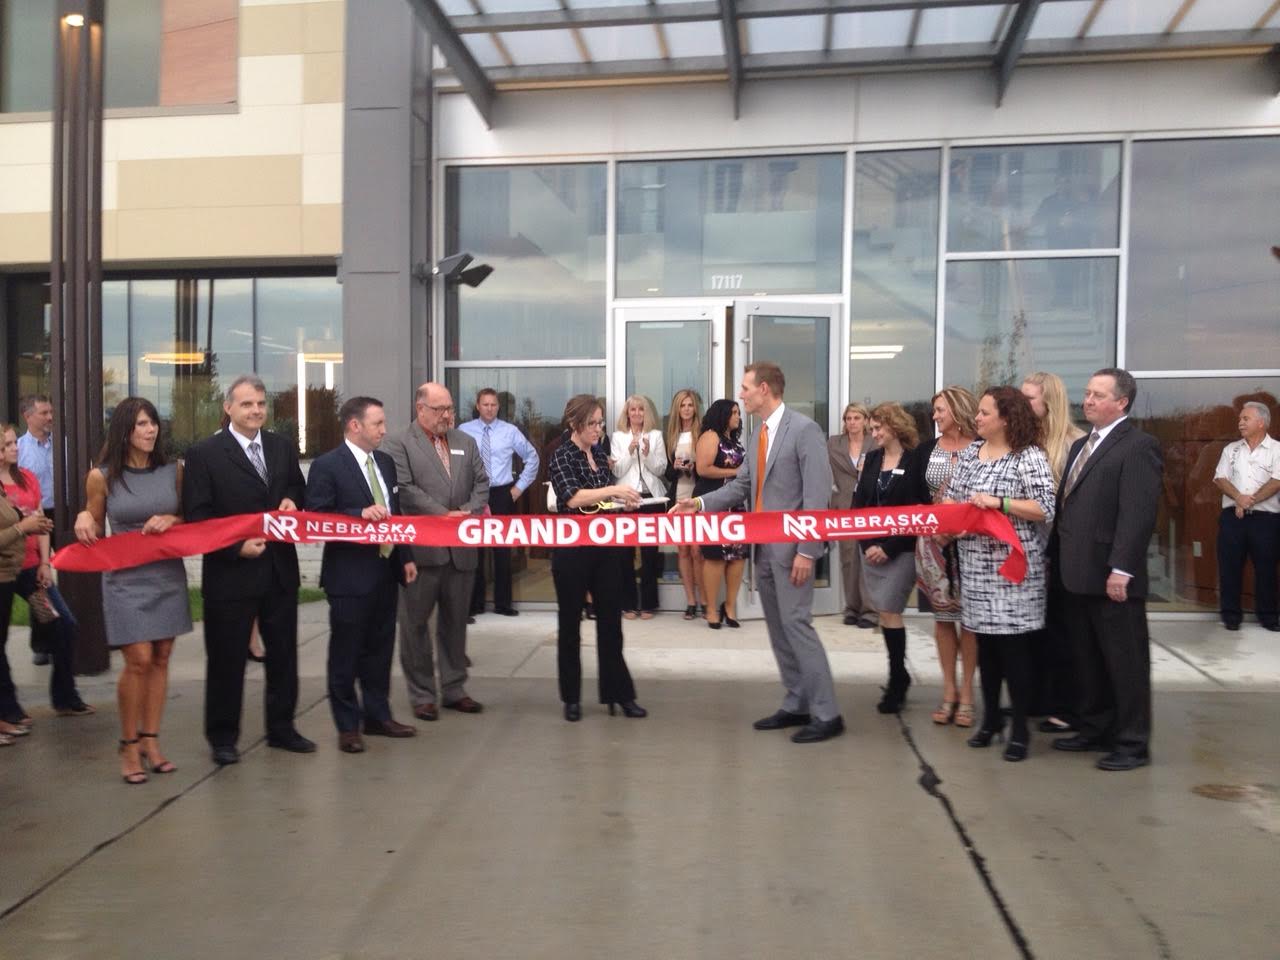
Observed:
{"x":1007,"y":318}
{"x":1194,"y":419}
{"x":756,"y":225}
{"x":895,"y":270}
{"x":533,"y":399}
{"x":542,"y":229}
{"x":664,"y":356}
{"x":1049,"y":197}
{"x":1204,"y":290}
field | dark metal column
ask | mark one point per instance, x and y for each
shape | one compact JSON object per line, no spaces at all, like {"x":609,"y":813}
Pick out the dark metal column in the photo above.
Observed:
{"x":75,"y":334}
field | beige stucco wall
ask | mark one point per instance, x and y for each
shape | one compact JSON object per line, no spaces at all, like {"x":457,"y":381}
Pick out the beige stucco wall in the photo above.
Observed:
{"x":262,"y":181}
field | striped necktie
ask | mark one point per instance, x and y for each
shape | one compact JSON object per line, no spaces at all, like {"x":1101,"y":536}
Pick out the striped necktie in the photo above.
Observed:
{"x":486,"y":452}
{"x":1078,"y":466}
{"x":255,"y":457}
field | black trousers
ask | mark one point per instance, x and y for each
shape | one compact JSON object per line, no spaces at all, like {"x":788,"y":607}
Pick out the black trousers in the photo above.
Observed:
{"x":1054,"y":690}
{"x":1113,"y":665}
{"x":227,"y":625}
{"x":575,"y":571}
{"x":500,"y":505}
{"x":1254,"y":537}
{"x":60,"y":644}
{"x":362,"y":639}
{"x":644,"y":595}
{"x":1005,"y":658}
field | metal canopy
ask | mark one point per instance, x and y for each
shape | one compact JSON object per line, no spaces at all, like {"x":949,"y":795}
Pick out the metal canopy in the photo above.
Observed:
{"x":494,"y":45}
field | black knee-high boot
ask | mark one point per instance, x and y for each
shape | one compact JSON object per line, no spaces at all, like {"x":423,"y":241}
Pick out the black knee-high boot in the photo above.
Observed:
{"x":895,"y":692}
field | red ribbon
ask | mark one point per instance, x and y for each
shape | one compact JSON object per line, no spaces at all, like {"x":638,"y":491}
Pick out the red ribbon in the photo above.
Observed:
{"x":602,"y":529}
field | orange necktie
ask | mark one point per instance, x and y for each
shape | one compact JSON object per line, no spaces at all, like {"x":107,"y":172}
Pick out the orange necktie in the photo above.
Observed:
{"x":762,"y":455}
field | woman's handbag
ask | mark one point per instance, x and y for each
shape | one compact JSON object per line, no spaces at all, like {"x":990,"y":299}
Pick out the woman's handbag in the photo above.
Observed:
{"x":41,"y":608}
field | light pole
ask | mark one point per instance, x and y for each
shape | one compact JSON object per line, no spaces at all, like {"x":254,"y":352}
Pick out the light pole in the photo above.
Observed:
{"x":75,"y":267}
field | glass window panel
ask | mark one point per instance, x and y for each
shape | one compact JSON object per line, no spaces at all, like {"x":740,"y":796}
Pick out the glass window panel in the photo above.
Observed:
{"x":622,"y":43}
{"x":1222,"y":15}
{"x":1055,"y":21}
{"x":664,"y":356}
{"x":28,"y":311}
{"x":1194,"y":420}
{"x":115,"y":343}
{"x":1050,"y":197}
{"x":1007,"y":318}
{"x":483,"y":49}
{"x":801,"y":346}
{"x":784,"y":34}
{"x":541,"y":46}
{"x":518,"y":6}
{"x":747,"y":224}
{"x":967,"y":25}
{"x":457,"y":8}
{"x":1134,"y":16}
{"x":894,"y":294}
{"x":131,"y":65}
{"x":542,"y":229}
{"x":533,"y":399}
{"x":300,"y":357}
{"x":701,"y":39}
{"x":1204,"y":292}
{"x":878,"y":28}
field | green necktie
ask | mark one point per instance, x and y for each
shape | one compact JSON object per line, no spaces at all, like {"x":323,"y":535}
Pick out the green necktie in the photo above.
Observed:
{"x":376,"y":487}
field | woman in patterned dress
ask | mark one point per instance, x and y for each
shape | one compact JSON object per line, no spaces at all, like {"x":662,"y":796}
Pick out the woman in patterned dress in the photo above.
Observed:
{"x":719,"y":454}
{"x":938,"y":568}
{"x":1005,"y":470}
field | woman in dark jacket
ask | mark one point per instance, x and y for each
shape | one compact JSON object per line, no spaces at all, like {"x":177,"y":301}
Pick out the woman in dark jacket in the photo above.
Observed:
{"x":892,"y":476}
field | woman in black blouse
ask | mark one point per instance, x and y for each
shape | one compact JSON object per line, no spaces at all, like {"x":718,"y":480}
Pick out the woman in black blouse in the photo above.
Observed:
{"x":892,"y":476}
{"x":582,"y":482}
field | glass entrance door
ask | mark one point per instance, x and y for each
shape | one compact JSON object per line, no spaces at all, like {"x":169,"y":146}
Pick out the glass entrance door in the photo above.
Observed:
{"x":801,"y":338}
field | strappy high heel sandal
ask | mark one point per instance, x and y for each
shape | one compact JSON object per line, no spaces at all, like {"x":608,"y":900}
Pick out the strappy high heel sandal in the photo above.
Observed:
{"x":164,"y":766}
{"x":133,"y":777}
{"x":945,"y":713}
{"x":964,"y":715}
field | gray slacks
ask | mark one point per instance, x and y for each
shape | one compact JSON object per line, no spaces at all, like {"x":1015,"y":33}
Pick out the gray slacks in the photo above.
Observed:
{"x":446,"y":591}
{"x":856,"y":601}
{"x":802,"y":660}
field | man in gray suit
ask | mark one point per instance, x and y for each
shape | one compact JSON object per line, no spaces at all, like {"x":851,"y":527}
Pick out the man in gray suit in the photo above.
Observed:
{"x":440,"y":473}
{"x":786,"y":469}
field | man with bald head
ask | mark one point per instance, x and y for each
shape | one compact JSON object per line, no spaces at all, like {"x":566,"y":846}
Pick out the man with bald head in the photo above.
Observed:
{"x":440,"y":473}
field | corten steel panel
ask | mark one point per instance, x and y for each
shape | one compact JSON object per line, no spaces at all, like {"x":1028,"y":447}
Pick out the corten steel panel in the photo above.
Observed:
{"x":198,"y":64}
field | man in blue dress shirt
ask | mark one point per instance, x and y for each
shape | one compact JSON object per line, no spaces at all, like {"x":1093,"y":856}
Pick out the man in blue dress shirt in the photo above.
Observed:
{"x":499,"y":442}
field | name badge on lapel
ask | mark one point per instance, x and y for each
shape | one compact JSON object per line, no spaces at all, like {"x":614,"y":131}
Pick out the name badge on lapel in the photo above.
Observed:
{"x":458,"y":453}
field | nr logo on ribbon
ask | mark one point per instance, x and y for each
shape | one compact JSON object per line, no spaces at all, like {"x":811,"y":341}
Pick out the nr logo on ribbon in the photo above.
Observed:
{"x":800,"y":528}
{"x":282,"y":527}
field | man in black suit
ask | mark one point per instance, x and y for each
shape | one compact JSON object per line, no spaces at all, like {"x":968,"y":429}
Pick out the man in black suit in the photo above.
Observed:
{"x":360,"y":580}
{"x":245,"y":469}
{"x":1106,"y":514}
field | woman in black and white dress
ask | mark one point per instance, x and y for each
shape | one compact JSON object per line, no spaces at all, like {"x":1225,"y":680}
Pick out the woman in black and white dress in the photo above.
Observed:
{"x":1005,"y":470}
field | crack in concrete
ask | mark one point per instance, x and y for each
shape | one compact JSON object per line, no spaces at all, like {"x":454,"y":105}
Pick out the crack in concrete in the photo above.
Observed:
{"x":148,"y":816}
{"x":929,"y":782}
{"x":1190,"y":663}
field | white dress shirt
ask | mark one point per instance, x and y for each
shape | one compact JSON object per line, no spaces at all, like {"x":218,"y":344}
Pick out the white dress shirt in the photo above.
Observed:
{"x":1249,"y":470}
{"x":361,"y":460}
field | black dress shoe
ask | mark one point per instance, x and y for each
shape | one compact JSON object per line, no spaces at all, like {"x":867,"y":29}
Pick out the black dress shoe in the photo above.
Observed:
{"x":573,"y":712}
{"x":1123,"y":761}
{"x":471,"y":619}
{"x":1080,"y":744}
{"x":388,"y":728}
{"x":781,"y":719}
{"x":293,"y":742}
{"x":850,"y":619}
{"x":866,"y":623}
{"x":507,"y":612}
{"x":1273,"y":627}
{"x":818,"y":730}
{"x":983,"y":737}
{"x":1232,"y":625}
{"x":630,"y":709}
{"x":1015,"y":751}
{"x":225,"y":756}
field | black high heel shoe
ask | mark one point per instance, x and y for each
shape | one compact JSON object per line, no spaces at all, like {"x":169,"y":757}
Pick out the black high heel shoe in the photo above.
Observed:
{"x":1015,"y":751}
{"x":727,"y":620}
{"x":630,"y":709}
{"x":573,"y":712}
{"x":985,"y":735}
{"x":895,"y":695}
{"x":691,"y":611}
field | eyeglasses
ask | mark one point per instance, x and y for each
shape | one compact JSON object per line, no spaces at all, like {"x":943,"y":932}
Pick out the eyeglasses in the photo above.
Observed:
{"x":448,"y":409}
{"x":595,"y":423}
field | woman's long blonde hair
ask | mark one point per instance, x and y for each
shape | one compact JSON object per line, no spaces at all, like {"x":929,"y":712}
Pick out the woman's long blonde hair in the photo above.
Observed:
{"x":650,"y":414}
{"x":673,"y":419}
{"x":1059,"y":429}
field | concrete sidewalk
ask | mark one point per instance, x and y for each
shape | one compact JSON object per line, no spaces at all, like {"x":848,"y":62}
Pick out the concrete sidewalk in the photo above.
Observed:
{"x":687,"y":834}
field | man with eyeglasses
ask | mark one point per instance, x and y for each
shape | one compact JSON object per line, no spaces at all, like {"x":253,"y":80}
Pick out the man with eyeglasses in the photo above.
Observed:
{"x":440,"y":473}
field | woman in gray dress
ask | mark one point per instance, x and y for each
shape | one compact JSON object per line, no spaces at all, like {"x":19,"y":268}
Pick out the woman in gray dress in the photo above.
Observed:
{"x":144,"y":607}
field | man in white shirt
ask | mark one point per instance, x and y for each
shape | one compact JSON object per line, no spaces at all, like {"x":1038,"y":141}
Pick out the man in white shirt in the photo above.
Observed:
{"x":1248,"y":475}
{"x":499,"y":442}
